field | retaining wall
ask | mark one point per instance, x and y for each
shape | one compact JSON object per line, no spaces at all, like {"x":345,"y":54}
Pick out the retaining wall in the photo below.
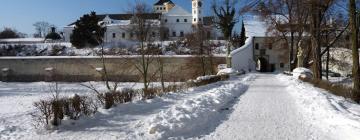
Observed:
{"x":79,"y":68}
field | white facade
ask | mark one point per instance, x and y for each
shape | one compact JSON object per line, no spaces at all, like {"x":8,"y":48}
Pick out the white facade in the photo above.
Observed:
{"x":177,"y":20}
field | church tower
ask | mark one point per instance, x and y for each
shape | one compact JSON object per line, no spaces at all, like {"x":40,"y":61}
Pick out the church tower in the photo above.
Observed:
{"x":197,"y":11}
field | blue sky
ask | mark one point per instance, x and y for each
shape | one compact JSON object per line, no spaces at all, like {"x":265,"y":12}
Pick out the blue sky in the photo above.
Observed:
{"x":21,"y":14}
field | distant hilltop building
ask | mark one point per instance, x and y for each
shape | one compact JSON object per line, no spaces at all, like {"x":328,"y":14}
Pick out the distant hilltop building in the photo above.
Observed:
{"x":177,"y":21}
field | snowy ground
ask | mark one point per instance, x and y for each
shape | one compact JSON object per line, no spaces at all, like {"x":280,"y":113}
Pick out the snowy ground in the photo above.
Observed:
{"x":253,"y":106}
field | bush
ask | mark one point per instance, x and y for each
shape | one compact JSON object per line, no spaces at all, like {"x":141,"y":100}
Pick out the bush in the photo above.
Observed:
{"x":109,"y":99}
{"x":55,"y":110}
{"x":53,"y":36}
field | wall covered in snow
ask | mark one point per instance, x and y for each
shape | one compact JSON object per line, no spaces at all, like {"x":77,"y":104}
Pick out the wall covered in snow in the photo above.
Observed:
{"x":243,"y":57}
{"x":80,"y":68}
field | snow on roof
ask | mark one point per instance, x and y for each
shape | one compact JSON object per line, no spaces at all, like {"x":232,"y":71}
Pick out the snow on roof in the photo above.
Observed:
{"x":255,"y":27}
{"x":119,"y":22}
{"x":22,"y":40}
{"x":178,"y":11}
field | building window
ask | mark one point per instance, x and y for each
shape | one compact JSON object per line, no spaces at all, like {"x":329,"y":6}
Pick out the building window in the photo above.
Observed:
{"x":177,"y":20}
{"x":270,"y":46}
{"x":185,"y":20}
{"x":182,"y":34}
{"x":165,"y":20}
{"x":263,"y":52}
{"x":199,"y":11}
{"x":157,"y":8}
{"x":194,"y":11}
{"x":281,"y":65}
{"x":161,"y":8}
{"x":200,"y":19}
{"x":194,"y":19}
{"x":153,"y":34}
{"x":123,"y":35}
{"x":131,"y":35}
{"x":174,"y":34}
{"x":114,"y":35}
{"x":257,"y":46}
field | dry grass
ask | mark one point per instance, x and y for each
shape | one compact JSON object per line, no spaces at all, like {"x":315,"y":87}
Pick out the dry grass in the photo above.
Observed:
{"x":336,"y":89}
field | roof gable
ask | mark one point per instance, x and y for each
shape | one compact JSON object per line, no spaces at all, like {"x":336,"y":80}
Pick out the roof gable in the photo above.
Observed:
{"x":178,"y":11}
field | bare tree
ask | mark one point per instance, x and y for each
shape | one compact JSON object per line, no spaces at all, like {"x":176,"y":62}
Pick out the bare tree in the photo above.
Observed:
{"x":42,"y":28}
{"x":287,"y":19}
{"x":318,"y":9}
{"x":145,"y":33}
{"x":226,"y":20}
{"x":355,"y":47}
{"x":201,"y":47}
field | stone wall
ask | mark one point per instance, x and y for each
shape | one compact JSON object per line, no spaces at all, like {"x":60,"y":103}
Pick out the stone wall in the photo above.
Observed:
{"x":78,"y":69}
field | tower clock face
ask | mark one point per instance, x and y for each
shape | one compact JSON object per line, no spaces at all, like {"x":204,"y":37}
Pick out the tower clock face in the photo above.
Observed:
{"x":199,"y":3}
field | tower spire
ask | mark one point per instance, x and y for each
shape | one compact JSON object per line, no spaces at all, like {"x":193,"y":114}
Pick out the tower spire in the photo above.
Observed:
{"x":197,"y":11}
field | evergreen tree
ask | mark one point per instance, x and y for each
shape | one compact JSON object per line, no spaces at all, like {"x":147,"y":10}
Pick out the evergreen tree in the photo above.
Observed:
{"x":87,"y":31}
{"x":242,"y":35}
{"x":8,"y":33}
{"x":53,"y":35}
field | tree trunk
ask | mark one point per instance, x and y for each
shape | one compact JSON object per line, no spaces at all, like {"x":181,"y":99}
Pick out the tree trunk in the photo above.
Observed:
{"x":228,"y":58}
{"x":316,"y":41}
{"x":327,"y":57}
{"x":291,"y":53}
{"x":355,"y":51}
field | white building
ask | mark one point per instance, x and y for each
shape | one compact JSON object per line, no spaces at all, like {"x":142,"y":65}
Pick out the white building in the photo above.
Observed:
{"x":176,"y":19}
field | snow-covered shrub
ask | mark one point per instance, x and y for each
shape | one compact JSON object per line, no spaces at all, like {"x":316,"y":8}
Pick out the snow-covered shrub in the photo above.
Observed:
{"x":124,"y":96}
{"x":150,"y":93}
{"x":106,"y":99}
{"x":110,"y":99}
{"x":77,"y":106}
{"x":303,"y":72}
{"x":51,"y":112}
{"x":44,"y":112}
{"x":204,"y":80}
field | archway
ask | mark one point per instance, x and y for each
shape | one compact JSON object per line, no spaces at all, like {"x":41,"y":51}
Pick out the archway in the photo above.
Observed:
{"x":262,"y":64}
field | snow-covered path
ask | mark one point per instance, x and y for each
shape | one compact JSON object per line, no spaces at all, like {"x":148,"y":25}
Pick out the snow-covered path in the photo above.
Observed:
{"x":269,"y":110}
{"x":265,"y":111}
